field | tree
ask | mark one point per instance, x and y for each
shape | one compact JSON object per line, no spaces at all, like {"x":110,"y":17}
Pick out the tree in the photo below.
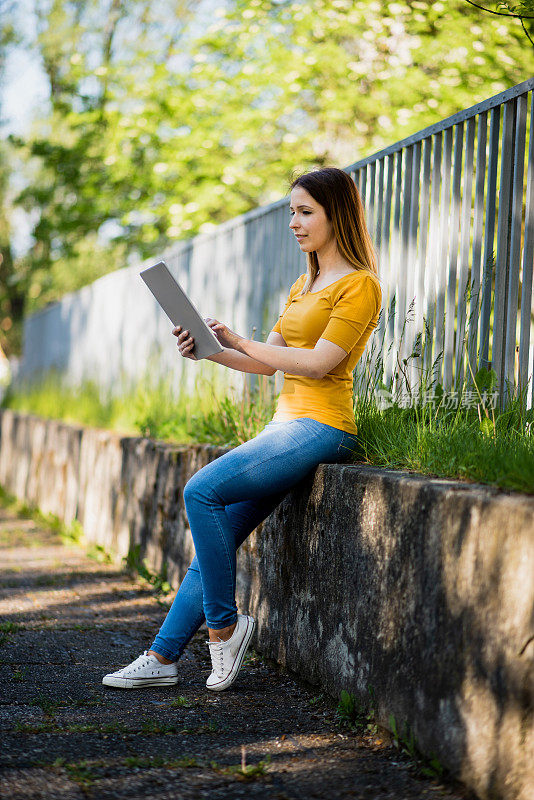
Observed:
{"x":157,"y":131}
{"x":85,"y":48}
{"x":12,"y":286}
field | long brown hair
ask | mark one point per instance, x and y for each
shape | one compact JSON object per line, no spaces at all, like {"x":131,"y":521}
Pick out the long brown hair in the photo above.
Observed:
{"x":336,"y":192}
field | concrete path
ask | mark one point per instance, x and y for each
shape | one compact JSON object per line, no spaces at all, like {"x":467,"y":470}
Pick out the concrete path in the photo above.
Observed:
{"x":66,"y":620}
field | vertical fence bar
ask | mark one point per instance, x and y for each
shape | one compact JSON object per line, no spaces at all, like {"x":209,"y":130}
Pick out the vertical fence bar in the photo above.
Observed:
{"x":395,"y":264}
{"x":272,"y":267}
{"x":275,"y":276}
{"x":283,"y":272}
{"x":298,"y":259}
{"x":502,"y":262}
{"x":423,"y":279}
{"x":441,"y":270}
{"x":379,"y":210}
{"x":515,"y":246}
{"x":378,"y":245}
{"x":527,"y":266}
{"x":367,"y":194}
{"x":371,"y":203}
{"x":454,"y":220}
{"x":279,"y":277}
{"x":411,"y":273}
{"x":403,"y":324}
{"x":385,"y":257}
{"x":475,"y":302}
{"x":432,"y":263}
{"x":355,"y":175}
{"x":363,"y":185}
{"x":424,"y":217}
{"x":465,"y":229}
{"x":255,"y":244}
{"x":287,"y":257}
{"x":489,"y":236}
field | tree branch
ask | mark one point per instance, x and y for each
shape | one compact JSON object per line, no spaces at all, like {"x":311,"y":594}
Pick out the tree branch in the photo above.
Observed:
{"x":499,"y":13}
{"x":526,"y":32}
{"x":115,"y":12}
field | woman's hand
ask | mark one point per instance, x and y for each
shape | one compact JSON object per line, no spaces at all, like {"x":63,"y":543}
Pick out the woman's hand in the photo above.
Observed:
{"x":225,"y":336}
{"x":185,"y":343}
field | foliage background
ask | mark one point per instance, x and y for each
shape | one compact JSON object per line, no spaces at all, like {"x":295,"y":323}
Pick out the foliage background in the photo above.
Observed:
{"x":166,"y":117}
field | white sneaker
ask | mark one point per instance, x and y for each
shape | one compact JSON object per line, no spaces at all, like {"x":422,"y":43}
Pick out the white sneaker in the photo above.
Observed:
{"x":227,"y":657}
{"x":144,"y":671}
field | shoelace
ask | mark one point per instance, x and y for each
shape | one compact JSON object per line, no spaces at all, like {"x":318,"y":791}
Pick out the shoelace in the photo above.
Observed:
{"x":217,"y":657}
{"x":140,"y":661}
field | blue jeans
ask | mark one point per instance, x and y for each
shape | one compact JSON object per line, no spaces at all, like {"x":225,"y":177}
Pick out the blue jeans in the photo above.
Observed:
{"x":225,"y":501}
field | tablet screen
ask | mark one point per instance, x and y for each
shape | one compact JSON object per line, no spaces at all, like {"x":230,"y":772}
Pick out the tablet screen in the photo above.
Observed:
{"x":180,"y":310}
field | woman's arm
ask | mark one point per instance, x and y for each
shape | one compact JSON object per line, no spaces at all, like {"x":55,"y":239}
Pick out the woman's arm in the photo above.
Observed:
{"x":309,"y":362}
{"x":244,"y":363}
{"x":357,"y":306}
{"x":229,"y":357}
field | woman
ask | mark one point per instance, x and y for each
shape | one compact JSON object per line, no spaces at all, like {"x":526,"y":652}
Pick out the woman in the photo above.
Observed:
{"x":328,"y":317}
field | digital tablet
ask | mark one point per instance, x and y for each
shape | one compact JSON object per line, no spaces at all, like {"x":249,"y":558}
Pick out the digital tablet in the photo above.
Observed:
{"x":180,"y":310}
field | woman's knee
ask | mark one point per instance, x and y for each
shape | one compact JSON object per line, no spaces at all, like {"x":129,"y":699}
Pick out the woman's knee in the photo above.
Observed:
{"x":196,"y":487}
{"x":189,"y":490}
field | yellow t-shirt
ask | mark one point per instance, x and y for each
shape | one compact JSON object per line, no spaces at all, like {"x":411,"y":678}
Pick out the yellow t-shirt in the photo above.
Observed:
{"x":345,"y":313}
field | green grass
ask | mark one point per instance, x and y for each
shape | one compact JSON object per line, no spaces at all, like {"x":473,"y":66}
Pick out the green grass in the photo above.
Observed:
{"x":182,"y":702}
{"x":10,"y":627}
{"x":69,"y":534}
{"x":454,"y":445}
{"x":99,"y":553}
{"x":85,"y":772}
{"x":48,"y":705}
{"x":137,"y":565}
{"x":359,"y":717}
{"x":147,"y":727}
{"x":243,"y":771}
{"x":85,"y":406}
{"x":153,"y":409}
{"x":468,"y":439}
{"x":425,"y":429}
{"x":7,"y":629}
{"x":156,"y":762}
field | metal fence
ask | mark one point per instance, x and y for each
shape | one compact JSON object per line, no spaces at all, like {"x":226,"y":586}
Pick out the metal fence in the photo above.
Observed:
{"x":451,"y":212}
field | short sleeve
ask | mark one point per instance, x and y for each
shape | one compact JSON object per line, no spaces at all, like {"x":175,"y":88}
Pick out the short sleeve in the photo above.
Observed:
{"x":356,"y":306}
{"x":292,"y":292}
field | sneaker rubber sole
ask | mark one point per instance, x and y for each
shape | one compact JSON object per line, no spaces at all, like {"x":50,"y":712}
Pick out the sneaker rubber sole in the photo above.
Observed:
{"x":138,"y":683}
{"x":232,"y":675}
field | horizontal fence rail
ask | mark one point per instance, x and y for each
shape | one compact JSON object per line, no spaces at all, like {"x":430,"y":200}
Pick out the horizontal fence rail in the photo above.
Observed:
{"x":451,"y":211}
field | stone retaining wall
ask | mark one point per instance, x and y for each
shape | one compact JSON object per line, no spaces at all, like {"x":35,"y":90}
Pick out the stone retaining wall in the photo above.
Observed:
{"x":419,"y":589}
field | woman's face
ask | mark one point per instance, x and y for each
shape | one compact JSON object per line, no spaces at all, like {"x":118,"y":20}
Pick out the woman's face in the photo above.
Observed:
{"x":312,"y":228}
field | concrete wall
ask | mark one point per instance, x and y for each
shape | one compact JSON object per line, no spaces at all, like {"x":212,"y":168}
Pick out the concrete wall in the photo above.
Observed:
{"x":422,"y":589}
